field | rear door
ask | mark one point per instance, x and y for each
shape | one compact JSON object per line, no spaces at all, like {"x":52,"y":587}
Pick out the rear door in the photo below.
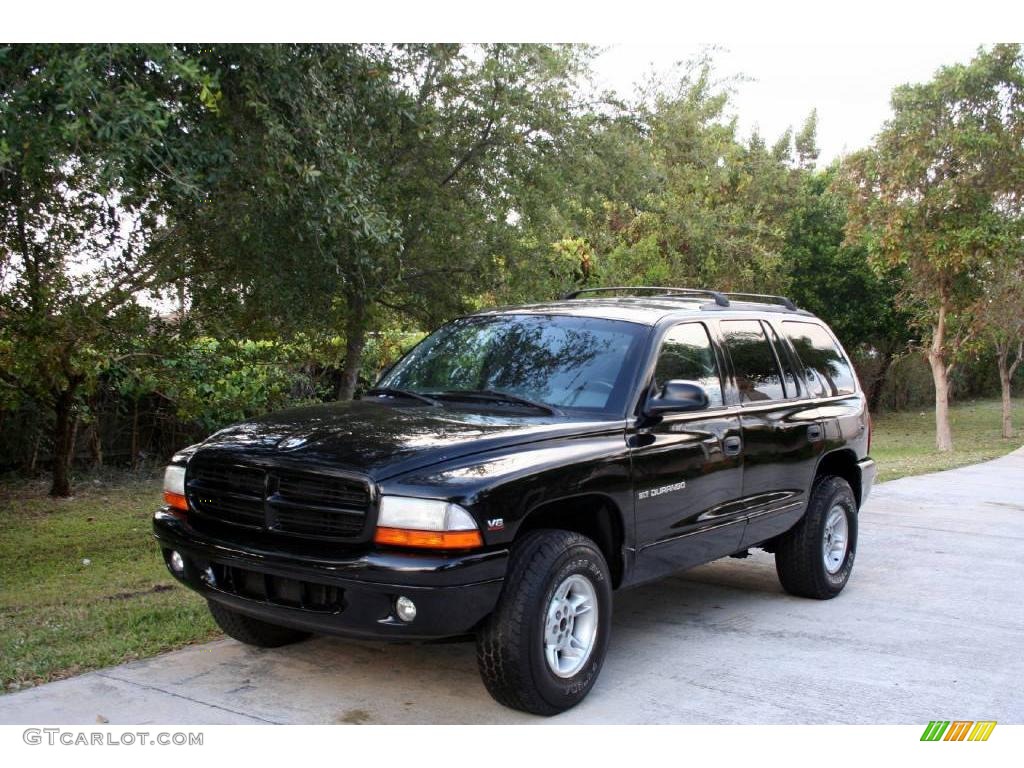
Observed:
{"x":686,"y":466}
{"x":829,"y":376}
{"x":782,"y":436}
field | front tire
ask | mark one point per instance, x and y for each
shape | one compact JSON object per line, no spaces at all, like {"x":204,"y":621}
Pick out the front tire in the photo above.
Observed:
{"x":543,"y":647}
{"x":252,"y":631}
{"x":815,"y":557}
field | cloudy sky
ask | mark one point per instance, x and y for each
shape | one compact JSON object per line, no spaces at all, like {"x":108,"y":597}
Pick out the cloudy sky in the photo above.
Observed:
{"x":848,"y":83}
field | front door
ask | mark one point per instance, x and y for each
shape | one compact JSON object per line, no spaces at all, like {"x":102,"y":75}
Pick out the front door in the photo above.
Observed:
{"x":687,"y":467}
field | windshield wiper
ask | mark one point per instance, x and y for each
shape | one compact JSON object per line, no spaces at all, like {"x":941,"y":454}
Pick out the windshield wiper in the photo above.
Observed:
{"x":408,"y":393}
{"x":495,"y":396}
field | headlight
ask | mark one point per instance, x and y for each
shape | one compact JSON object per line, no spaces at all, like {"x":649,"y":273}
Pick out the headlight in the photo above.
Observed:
{"x":431,"y":523}
{"x":174,"y":487}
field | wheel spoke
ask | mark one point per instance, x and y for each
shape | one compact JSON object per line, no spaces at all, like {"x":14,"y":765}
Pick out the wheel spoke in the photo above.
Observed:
{"x":580,"y":604}
{"x":551,"y":652}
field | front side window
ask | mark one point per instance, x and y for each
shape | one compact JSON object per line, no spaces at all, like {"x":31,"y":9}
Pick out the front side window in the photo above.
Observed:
{"x":827,"y":371}
{"x":571,"y":363}
{"x":686,"y":353}
{"x":753,"y":361}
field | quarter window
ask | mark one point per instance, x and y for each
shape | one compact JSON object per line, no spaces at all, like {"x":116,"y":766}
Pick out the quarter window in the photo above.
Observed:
{"x":826,"y":369}
{"x":753,"y":361}
{"x":686,"y":353}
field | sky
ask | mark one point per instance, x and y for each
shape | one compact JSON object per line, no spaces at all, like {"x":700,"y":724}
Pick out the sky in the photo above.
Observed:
{"x":849,"y":84}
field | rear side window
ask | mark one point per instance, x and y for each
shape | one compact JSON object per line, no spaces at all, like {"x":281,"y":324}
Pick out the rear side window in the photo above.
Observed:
{"x":828,"y":372}
{"x":686,"y":354}
{"x":753,"y":361}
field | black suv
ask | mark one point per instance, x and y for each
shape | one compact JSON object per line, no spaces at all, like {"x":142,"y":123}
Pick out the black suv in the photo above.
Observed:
{"x":518,"y":466}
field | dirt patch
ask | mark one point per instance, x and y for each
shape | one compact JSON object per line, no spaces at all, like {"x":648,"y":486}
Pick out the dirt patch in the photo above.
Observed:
{"x":139,"y":593}
{"x":354,"y":717}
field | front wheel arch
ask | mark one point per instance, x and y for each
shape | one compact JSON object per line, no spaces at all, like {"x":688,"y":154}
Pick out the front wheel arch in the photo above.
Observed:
{"x":593,"y":515}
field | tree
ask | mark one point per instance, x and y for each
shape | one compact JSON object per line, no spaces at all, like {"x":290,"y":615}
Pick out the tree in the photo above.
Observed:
{"x":929,"y":197}
{"x":834,"y":279}
{"x":373,"y":179}
{"x":89,"y":138}
{"x":680,"y":198}
{"x":999,"y":318}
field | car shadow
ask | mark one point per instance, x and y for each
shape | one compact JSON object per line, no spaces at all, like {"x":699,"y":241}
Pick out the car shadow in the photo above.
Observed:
{"x":439,"y":682}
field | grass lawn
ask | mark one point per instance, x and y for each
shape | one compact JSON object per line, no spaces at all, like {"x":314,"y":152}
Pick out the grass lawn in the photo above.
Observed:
{"x":904,"y":443}
{"x":60,"y":616}
{"x":82,"y":585}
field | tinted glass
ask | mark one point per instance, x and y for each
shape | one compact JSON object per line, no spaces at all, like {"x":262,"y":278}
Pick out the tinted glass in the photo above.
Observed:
{"x":569,"y":362}
{"x":828,"y":371}
{"x":686,"y":353}
{"x":757,"y":373}
{"x":788,"y":377}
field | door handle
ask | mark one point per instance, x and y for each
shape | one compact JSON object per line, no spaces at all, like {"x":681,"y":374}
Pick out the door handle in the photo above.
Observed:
{"x":815,"y":433}
{"x":732,"y":445}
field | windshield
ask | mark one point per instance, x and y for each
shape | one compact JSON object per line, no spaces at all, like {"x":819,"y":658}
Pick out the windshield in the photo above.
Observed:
{"x":571,"y":363}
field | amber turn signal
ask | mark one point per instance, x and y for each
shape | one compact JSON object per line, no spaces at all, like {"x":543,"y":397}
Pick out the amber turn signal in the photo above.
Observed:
{"x":175,"y":501}
{"x":401,"y":537}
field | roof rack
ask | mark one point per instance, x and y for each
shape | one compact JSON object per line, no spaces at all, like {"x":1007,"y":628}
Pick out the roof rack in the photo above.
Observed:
{"x":764,"y":298}
{"x":719,"y":298}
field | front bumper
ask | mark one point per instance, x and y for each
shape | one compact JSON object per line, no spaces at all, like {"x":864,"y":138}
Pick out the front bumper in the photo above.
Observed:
{"x":351,"y":595}
{"x":867,"y":477}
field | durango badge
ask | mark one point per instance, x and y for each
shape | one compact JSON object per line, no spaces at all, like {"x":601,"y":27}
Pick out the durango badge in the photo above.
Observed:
{"x":659,"y":491}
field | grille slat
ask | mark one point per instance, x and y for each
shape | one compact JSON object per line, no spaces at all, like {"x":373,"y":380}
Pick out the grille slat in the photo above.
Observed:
{"x":326,"y":492}
{"x":311,"y":523}
{"x":281,"y":501}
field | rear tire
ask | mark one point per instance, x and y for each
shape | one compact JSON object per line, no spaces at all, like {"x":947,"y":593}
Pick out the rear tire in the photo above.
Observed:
{"x":543,"y":647}
{"x":252,"y":631}
{"x":815,"y":557}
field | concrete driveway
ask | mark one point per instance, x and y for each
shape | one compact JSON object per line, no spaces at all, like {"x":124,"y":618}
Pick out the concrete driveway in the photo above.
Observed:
{"x":930,"y":627}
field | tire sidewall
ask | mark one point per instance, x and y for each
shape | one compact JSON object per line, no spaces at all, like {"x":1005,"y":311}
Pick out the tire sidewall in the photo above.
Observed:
{"x":564,"y":692}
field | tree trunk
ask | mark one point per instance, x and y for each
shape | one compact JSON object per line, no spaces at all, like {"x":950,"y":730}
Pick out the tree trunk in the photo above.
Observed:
{"x":135,"y":433}
{"x":875,"y":392}
{"x":355,"y":342}
{"x":63,"y":441}
{"x":96,"y":444}
{"x":940,"y":376}
{"x":1002,"y":358}
{"x":35,"y":453}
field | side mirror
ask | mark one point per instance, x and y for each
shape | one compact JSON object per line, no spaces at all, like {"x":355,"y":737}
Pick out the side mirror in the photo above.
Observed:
{"x":678,"y":395}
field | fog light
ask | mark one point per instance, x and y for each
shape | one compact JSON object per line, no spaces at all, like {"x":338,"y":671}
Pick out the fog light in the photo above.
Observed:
{"x":405,"y":608}
{"x":177,"y":562}
{"x":208,"y":577}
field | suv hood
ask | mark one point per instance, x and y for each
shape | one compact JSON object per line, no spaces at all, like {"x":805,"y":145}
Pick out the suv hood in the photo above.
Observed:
{"x":382,"y":440}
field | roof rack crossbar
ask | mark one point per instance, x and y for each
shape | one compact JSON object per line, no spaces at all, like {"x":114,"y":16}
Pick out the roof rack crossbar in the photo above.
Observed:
{"x":719,"y":298}
{"x":764,"y":298}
